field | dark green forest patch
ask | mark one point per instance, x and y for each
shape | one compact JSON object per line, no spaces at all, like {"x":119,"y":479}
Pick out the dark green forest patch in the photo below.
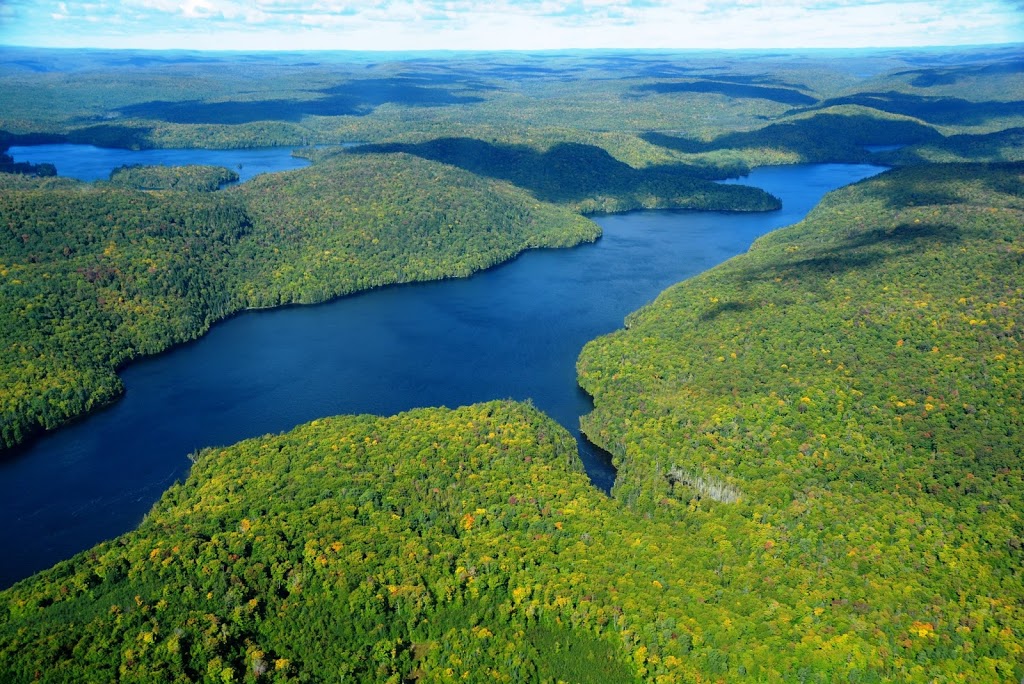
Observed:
{"x":936,"y":110}
{"x":182,"y":178}
{"x":823,"y":137}
{"x":585,"y":177}
{"x":356,"y":98}
{"x":732,"y":89}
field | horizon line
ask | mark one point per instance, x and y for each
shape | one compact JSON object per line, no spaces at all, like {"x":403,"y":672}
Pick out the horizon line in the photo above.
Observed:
{"x":951,"y":46}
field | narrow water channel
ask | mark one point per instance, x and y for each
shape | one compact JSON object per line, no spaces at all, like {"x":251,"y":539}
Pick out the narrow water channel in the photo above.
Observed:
{"x":511,"y":332}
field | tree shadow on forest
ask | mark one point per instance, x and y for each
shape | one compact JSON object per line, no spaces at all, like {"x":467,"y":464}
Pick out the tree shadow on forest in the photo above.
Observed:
{"x":525,"y":71}
{"x":567,"y":172}
{"x":758,"y":79}
{"x":723,"y":308}
{"x":734,"y":89}
{"x":996,"y":147}
{"x":357,"y":98}
{"x":941,"y":76}
{"x":860,"y":252}
{"x":905,"y":233}
{"x":952,"y":184}
{"x":831,"y":137}
{"x":936,"y":110}
{"x":656,"y":68}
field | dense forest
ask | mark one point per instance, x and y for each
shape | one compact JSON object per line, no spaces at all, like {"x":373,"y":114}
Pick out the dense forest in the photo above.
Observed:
{"x":849,"y":390}
{"x":195,"y":178}
{"x":818,"y":442}
{"x":819,"y":481}
{"x":97,"y":274}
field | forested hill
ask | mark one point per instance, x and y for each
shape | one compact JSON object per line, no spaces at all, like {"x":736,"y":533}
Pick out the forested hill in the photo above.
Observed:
{"x":820,"y":481}
{"x":587,"y":178}
{"x":854,"y":383}
{"x":94,"y":275}
{"x":424,"y":547}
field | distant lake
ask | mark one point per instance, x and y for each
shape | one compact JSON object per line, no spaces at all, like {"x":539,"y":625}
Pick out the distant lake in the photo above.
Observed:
{"x":514,"y":331}
{"x":89,"y":163}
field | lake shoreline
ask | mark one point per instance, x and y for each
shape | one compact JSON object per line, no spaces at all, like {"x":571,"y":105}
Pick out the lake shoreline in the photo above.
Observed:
{"x":221,"y":398}
{"x":36,"y":431}
{"x":12,"y":452}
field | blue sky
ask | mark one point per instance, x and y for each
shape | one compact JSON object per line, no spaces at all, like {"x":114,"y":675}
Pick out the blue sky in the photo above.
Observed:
{"x":507,"y":24}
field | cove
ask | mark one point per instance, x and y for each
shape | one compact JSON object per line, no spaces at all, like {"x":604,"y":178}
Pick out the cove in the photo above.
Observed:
{"x":90,"y":163}
{"x":510,"y":332}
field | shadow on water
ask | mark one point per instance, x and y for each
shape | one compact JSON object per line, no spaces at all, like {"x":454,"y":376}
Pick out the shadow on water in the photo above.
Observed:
{"x":597,"y":462}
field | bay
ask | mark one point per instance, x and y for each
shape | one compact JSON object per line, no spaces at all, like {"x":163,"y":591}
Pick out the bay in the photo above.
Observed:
{"x":510,"y":332}
{"x":90,"y":163}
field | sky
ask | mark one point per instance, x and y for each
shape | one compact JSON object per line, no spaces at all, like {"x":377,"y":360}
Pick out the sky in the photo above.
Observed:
{"x":507,"y":24}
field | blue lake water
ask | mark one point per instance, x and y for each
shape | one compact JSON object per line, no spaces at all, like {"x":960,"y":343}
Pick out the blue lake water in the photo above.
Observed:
{"x":89,"y":163}
{"x":511,"y":332}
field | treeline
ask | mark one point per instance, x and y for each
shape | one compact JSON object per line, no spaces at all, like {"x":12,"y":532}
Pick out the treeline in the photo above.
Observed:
{"x":92,"y":276}
{"x":8,"y":165}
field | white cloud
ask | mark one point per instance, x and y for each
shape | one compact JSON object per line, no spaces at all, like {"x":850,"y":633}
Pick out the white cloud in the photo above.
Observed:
{"x":510,"y":24}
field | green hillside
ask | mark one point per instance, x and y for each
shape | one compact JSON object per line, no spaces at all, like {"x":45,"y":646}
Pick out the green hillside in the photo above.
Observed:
{"x":853,"y":386}
{"x":424,"y":546}
{"x":93,"y":275}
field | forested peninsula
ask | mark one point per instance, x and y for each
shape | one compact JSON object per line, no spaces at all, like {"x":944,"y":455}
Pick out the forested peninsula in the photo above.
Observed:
{"x":818,"y":442}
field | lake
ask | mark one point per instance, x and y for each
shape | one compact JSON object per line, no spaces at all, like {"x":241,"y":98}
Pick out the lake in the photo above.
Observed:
{"x":89,"y":163}
{"x":513,"y":331}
